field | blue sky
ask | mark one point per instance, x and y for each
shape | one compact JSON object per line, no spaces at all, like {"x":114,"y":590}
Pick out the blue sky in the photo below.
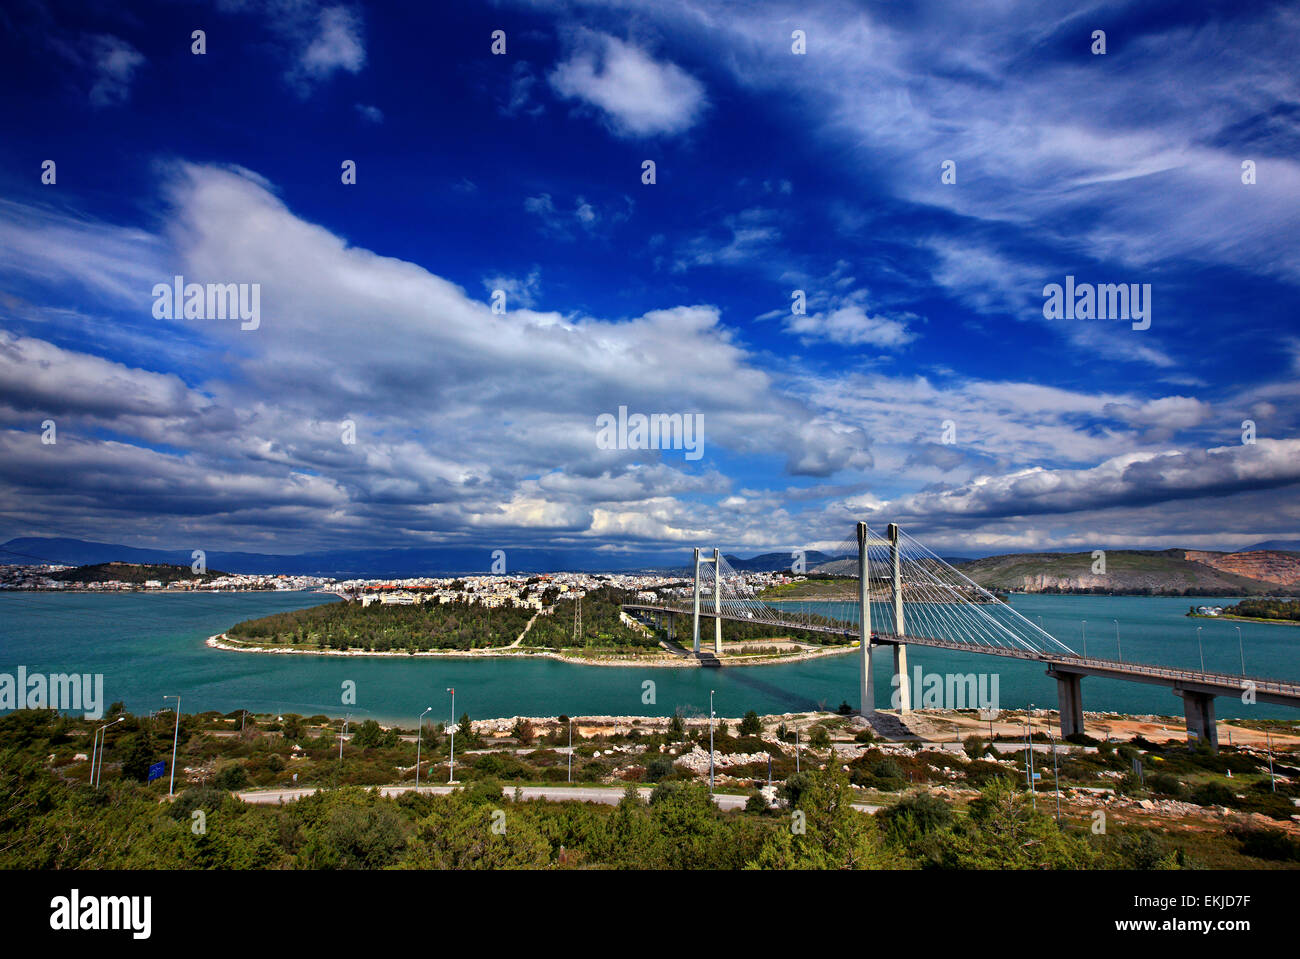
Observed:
{"x":775,"y":172}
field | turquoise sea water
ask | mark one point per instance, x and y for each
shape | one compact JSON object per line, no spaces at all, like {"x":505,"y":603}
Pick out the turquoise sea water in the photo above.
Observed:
{"x":148,"y":645}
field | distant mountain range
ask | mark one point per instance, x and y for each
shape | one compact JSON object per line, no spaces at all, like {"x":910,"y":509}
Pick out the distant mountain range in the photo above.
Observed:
{"x":1285,"y":545}
{"x":1268,"y":564}
{"x":341,"y":564}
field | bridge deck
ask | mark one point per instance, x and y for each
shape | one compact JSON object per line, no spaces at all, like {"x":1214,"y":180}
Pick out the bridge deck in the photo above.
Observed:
{"x":1226,"y":683}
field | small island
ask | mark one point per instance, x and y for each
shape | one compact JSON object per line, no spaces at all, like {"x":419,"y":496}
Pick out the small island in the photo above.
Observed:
{"x":592,"y":630}
{"x":1283,"y":611}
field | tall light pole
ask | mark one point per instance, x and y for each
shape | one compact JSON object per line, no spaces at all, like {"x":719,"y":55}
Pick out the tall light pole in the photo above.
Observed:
{"x":342,"y":733}
{"x":171,"y":790}
{"x":796,"y":750}
{"x":1241,"y":649}
{"x":1056,"y":776}
{"x":1269,"y":739}
{"x":710,"y":742}
{"x":1200,"y":648}
{"x":570,"y":750}
{"x":451,"y":763}
{"x":1085,"y":638}
{"x":1029,"y":756}
{"x":94,"y":779}
{"x":419,"y":735}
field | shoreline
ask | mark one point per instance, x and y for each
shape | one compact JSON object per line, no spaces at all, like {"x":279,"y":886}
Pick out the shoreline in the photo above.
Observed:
{"x":224,"y":642}
{"x":1246,"y":619}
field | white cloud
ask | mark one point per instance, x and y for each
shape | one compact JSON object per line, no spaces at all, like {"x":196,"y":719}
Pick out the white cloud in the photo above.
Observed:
{"x":851,"y":325}
{"x":638,"y":95}
{"x":115,"y":62}
{"x":336,"y":45}
{"x":463,"y":417}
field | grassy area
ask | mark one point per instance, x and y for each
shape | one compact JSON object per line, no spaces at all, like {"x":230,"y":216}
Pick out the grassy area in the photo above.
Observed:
{"x":943,"y":810}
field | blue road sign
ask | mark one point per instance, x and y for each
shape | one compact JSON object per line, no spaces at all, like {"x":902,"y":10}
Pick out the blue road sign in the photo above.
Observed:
{"x":156,"y":770}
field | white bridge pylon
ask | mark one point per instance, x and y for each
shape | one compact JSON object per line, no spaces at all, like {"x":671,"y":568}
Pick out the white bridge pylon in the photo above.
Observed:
{"x":896,"y":590}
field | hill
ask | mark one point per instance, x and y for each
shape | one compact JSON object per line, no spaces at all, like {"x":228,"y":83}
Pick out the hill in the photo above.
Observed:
{"x":1151,"y":572}
{"x":135,"y":573}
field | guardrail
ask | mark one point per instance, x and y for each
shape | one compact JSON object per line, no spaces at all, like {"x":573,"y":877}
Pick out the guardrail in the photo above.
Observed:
{"x":1225,"y":680}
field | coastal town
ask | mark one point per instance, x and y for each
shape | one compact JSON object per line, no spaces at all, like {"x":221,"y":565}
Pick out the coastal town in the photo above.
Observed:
{"x":531,"y":591}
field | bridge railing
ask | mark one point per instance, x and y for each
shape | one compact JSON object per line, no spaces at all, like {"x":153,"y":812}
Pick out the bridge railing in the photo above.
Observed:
{"x":1230,"y":680}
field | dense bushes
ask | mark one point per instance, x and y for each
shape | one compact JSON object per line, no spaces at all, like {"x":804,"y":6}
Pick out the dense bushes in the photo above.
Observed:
{"x":380,"y":628}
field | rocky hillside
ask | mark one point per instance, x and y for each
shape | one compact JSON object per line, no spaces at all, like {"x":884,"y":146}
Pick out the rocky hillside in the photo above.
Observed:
{"x":1272,"y":566}
{"x":1167,"y":572}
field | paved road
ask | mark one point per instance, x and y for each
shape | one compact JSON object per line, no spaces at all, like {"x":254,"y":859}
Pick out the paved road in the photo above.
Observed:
{"x":610,"y":795}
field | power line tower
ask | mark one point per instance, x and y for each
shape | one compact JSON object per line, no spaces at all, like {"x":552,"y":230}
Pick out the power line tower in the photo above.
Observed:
{"x":577,"y":622}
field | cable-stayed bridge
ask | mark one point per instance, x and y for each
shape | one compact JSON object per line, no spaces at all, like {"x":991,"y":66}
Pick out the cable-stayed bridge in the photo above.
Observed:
{"x":897,"y":592}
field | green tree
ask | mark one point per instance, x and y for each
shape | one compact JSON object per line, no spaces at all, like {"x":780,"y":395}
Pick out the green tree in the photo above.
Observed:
{"x":825,"y":831}
{"x":140,"y":751}
{"x":368,"y":735}
{"x":751,"y":725}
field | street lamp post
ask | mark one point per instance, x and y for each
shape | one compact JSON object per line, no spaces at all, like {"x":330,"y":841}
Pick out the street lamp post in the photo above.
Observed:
{"x":342,"y":733}
{"x":1241,"y":649}
{"x":419,"y":735}
{"x":1117,"y":646}
{"x":796,"y":750}
{"x":1029,"y":756}
{"x":99,"y":744}
{"x":1056,"y":776}
{"x":171,"y":789}
{"x":710,"y":742}
{"x":1085,"y":638}
{"x":451,"y":762}
{"x":1200,"y":648}
{"x":570,"y":750}
{"x":1269,"y":739}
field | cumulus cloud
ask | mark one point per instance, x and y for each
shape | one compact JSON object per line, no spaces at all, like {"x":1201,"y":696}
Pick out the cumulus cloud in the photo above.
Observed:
{"x":638,"y":95}
{"x":466,"y":420}
{"x":1130,"y":480}
{"x":851,"y":325}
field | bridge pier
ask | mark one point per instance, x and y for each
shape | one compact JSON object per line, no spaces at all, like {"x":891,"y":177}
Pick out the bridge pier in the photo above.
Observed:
{"x":904,"y":683}
{"x":717,"y":602}
{"x":900,"y":651}
{"x":866,"y":681}
{"x":696,"y":638}
{"x":1199,"y":710}
{"x":1069,"y":701}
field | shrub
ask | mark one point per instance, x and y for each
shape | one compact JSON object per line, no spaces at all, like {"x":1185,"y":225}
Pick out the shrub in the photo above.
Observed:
{"x":1214,"y":794}
{"x":230,"y":777}
{"x":1272,"y":844}
{"x":1166,"y":785}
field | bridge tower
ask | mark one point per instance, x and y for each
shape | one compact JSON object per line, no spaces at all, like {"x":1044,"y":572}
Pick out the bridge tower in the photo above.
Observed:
{"x":900,"y":650}
{"x":867,"y":689}
{"x":715,"y":559}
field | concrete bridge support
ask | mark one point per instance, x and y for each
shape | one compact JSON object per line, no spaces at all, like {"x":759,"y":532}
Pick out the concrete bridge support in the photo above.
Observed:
{"x":900,"y":651}
{"x":715,"y":559}
{"x":1069,"y":699}
{"x":866,"y":683}
{"x":1199,"y":710}
{"x":717,"y":602}
{"x":696,"y":639}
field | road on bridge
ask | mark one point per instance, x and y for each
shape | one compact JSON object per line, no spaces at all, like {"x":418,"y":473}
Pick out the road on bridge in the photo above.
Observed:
{"x":609,"y":795}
